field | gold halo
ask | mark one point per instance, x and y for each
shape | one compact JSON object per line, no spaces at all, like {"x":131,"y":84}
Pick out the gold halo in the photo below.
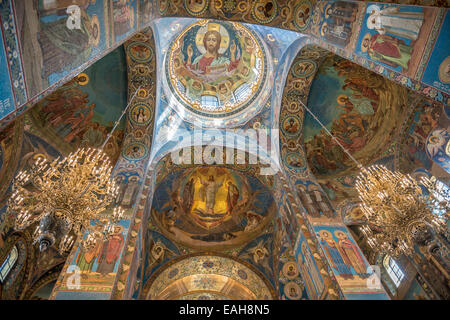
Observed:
{"x":224,"y":41}
{"x":37,"y":155}
{"x":94,"y":21}
{"x":142,"y":93}
{"x":366,"y":36}
{"x":338,"y":232}
{"x":322,"y":232}
{"x":85,"y":82}
{"x":340,"y":99}
{"x":443,"y":76}
{"x":321,"y":29}
{"x":120,"y":227}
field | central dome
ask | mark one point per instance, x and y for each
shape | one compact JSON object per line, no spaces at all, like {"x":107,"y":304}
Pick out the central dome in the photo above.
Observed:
{"x":216,"y":70}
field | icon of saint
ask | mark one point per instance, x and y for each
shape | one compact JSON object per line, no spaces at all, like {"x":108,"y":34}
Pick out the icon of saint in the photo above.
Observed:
{"x":212,"y":61}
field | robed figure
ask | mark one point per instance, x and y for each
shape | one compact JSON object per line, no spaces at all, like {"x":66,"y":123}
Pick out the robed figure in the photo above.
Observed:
{"x":333,"y":253}
{"x":388,"y":50}
{"x":85,"y":259}
{"x":208,"y":192}
{"x":188,"y":195}
{"x":232,"y":196}
{"x":399,"y":23}
{"x":212,"y":61}
{"x":111,"y":252}
{"x":350,"y":253}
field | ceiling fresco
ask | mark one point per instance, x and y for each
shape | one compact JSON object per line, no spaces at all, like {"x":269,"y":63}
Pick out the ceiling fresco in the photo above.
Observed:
{"x":160,"y":252}
{"x":361,"y":109}
{"x":262,"y":52}
{"x":416,"y":147}
{"x":83,"y":111}
{"x":217,"y":275}
{"x":216,"y":73}
{"x":216,"y":68}
{"x":217,"y":77}
{"x":327,"y":194}
{"x":207,"y":207}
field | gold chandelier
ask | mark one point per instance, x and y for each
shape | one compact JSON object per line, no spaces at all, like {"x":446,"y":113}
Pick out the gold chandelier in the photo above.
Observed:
{"x":65,"y":195}
{"x":398,"y":209}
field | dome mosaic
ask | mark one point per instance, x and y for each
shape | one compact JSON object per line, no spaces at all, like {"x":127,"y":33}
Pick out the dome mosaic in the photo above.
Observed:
{"x":216,"y":69}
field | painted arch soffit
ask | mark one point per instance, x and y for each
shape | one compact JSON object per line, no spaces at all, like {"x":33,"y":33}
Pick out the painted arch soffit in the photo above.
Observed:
{"x":217,"y":274}
{"x":296,"y":91}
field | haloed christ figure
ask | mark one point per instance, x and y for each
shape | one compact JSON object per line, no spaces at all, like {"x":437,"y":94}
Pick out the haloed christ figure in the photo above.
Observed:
{"x":212,"y":60}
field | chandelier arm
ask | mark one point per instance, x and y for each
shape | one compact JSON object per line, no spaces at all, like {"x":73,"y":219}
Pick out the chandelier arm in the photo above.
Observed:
{"x":118,"y":120}
{"x":331,"y":135}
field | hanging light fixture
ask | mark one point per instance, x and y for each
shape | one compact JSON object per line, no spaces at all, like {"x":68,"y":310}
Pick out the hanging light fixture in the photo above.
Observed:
{"x":395,"y":205}
{"x":401,"y":214}
{"x":65,"y":195}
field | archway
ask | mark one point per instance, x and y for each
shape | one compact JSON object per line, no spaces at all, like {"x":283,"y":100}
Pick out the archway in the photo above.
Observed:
{"x":205,"y":276}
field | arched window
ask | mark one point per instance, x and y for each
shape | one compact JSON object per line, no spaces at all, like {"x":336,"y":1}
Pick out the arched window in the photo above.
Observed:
{"x":210,"y":102}
{"x":8,"y":263}
{"x":394,"y":271}
{"x":242,"y":92}
{"x":443,"y":194}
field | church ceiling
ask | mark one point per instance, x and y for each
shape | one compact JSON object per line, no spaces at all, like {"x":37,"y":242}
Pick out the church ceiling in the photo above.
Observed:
{"x":240,"y":223}
{"x":220,"y":93}
{"x":39,"y":57}
{"x":254,"y":80}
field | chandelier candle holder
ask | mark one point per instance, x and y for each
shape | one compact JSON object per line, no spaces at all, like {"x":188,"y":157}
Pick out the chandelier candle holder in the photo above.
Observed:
{"x":66,"y":195}
{"x":395,"y":205}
